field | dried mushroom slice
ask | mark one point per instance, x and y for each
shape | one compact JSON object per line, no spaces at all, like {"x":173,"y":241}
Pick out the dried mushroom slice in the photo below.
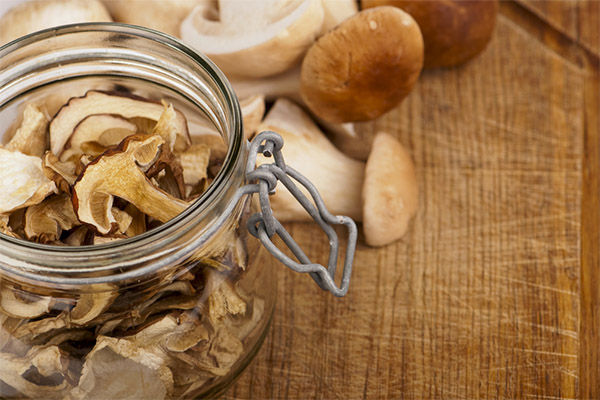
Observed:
{"x":138,"y":221}
{"x":78,"y":237}
{"x":92,"y":304}
{"x":122,"y":218}
{"x":188,"y":334}
{"x":112,"y":359}
{"x":13,"y":303}
{"x":109,"y":375}
{"x":169,"y":129}
{"x":22,"y":181}
{"x":195,"y":163}
{"x":167,"y":171}
{"x":224,"y":301}
{"x":45,"y":222}
{"x":226,"y":348}
{"x":63,"y":174}
{"x":102,"y":130}
{"x":120,"y":172}
{"x":32,"y":136}
{"x":97,"y":102}
{"x":42,"y":373}
{"x":5,"y":226}
{"x":36,"y":328}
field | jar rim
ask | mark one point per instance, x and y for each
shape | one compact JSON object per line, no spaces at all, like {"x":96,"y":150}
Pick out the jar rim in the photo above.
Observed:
{"x":32,"y":265}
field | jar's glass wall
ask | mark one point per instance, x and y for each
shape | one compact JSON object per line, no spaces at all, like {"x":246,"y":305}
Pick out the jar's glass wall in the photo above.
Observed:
{"x":173,"y":313}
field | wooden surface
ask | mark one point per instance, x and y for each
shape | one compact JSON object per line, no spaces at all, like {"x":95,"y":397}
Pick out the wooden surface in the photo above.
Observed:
{"x":494,"y":292}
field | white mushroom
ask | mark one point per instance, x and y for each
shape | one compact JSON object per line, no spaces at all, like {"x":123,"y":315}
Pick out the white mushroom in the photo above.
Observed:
{"x":337,"y":11}
{"x":254,"y":37}
{"x":33,"y":16}
{"x":253,"y":110}
{"x":162,"y":15}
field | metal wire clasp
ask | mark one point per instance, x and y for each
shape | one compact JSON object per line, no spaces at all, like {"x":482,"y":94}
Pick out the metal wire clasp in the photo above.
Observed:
{"x":263,"y":225}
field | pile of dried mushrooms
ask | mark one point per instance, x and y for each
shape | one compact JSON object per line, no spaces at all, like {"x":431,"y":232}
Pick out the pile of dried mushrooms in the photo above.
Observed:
{"x":110,"y":166}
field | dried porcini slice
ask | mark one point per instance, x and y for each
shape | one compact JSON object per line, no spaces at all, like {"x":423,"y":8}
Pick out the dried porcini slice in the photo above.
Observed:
{"x":31,"y":138}
{"x":42,"y":373}
{"x":112,"y":359}
{"x":224,"y":301}
{"x":91,"y":304}
{"x":22,"y":182}
{"x":195,"y":163}
{"x":103,"y":130}
{"x":13,"y":304}
{"x":63,"y":174}
{"x":120,"y":172}
{"x":45,"y":222}
{"x":170,"y":129}
{"x":96,"y":102}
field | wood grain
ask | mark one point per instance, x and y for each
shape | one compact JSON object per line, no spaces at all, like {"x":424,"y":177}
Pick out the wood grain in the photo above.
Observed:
{"x":578,"y":19}
{"x":493,"y":292}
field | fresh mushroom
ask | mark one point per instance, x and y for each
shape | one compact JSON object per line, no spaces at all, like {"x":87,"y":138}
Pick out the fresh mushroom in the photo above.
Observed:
{"x":120,"y":172}
{"x":254,"y":38}
{"x":253,"y":110}
{"x":32,"y":137}
{"x":162,"y":15}
{"x":384,"y":195}
{"x":77,"y":109}
{"x":337,"y":11}
{"x":364,"y":67}
{"x":285,"y":84}
{"x":454,"y":31}
{"x":390,"y":192}
{"x":33,"y":16}
{"x":338,"y":177}
{"x":22,"y":182}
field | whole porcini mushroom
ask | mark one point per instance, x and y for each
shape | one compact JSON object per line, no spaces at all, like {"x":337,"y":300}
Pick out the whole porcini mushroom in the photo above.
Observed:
{"x":454,"y":31}
{"x":364,"y":67}
{"x":254,"y":38}
{"x":383,"y":194}
{"x":33,"y":16}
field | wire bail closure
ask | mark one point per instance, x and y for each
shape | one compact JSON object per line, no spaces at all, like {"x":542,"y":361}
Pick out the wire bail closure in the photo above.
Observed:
{"x":263,"y":225}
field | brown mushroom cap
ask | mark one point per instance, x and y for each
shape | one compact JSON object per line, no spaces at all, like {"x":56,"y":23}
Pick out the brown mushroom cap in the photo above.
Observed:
{"x":364,"y":67}
{"x":453,"y":31}
{"x":390,"y":192}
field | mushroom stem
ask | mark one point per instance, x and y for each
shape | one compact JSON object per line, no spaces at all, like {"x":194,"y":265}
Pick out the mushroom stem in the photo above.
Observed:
{"x":119,"y":173}
{"x":338,"y":178}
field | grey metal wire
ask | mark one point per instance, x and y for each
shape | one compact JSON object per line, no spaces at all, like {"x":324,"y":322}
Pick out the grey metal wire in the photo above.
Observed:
{"x":264,"y":225}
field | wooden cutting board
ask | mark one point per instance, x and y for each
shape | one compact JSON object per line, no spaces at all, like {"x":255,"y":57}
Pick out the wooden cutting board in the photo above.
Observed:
{"x":494,"y":292}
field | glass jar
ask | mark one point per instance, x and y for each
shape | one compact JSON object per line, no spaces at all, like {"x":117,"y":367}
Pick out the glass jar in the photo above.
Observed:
{"x":177,"y":312}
